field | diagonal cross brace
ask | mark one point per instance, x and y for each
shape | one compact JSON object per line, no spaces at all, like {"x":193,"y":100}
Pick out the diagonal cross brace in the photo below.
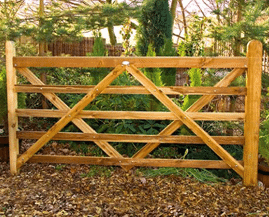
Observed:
{"x":70,"y":115}
{"x":185,"y":119}
{"x":80,"y":123}
{"x":199,"y":104}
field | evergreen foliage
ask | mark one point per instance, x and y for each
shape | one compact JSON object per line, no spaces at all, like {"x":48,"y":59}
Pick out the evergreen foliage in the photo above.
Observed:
{"x":195,"y":75}
{"x":3,"y":95}
{"x":196,"y":80}
{"x":67,"y":23}
{"x":155,"y":24}
{"x":9,"y":24}
{"x":154,"y":74}
{"x":168,"y":74}
{"x":193,"y":45}
{"x":126,"y":32}
{"x":254,"y":24}
{"x":98,"y":48}
{"x":264,"y":138}
{"x":97,"y":74}
{"x":9,"y":20}
{"x":59,"y":20}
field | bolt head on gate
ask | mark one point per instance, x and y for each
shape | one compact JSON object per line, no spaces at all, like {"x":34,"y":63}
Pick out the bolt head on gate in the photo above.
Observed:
{"x":125,"y":63}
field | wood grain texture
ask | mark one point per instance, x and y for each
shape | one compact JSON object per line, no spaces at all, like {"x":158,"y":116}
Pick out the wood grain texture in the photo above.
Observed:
{"x":12,"y":101}
{"x":175,"y":90}
{"x":194,"y":127}
{"x":132,"y":115}
{"x":252,"y":121}
{"x":209,"y":164}
{"x":139,"y":138}
{"x":140,"y":62}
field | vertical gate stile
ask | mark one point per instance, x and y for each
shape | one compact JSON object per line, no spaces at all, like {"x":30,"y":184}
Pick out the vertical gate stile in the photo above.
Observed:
{"x":252,"y":116}
{"x":12,"y":106}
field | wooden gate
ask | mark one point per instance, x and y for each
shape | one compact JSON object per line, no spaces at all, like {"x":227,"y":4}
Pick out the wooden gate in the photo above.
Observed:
{"x":251,"y":64}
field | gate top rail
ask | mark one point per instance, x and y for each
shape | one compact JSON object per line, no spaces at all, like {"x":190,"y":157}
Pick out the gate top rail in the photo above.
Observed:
{"x":140,"y":62}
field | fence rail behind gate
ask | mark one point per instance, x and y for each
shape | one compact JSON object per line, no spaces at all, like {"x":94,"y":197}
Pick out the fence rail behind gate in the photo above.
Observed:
{"x":247,"y":168}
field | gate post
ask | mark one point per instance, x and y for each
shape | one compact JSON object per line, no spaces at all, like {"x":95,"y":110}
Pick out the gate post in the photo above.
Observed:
{"x":252,"y":113}
{"x":12,"y":102}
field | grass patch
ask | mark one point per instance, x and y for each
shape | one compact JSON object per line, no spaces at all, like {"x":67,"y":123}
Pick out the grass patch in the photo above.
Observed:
{"x":104,"y":171}
{"x":201,"y":175}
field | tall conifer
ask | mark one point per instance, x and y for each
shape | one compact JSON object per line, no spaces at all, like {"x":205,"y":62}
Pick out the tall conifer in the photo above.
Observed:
{"x":155,"y":25}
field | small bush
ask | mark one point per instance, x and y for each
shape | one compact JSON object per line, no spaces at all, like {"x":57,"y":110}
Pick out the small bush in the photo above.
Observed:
{"x":3,"y":97}
{"x":264,"y":139}
{"x":3,"y":94}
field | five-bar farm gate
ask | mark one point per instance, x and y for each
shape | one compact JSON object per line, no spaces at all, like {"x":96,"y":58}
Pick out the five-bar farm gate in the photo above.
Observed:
{"x":251,"y":65}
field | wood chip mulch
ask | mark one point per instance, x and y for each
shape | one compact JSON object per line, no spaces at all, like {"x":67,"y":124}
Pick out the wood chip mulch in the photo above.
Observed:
{"x":50,"y":190}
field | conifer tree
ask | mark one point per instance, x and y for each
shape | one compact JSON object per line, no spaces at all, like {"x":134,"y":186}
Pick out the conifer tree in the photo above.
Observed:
{"x":155,"y":24}
{"x":168,"y":74}
{"x":196,"y":80}
{"x":251,"y":23}
{"x":97,"y":74}
{"x":154,"y":74}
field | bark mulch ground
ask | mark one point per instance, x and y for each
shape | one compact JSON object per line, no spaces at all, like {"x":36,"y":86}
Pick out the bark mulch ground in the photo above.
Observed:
{"x":75,"y":190}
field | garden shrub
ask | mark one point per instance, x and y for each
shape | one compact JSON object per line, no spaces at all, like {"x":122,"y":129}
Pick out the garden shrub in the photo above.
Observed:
{"x":97,"y":74}
{"x":264,"y":138}
{"x":168,"y":75}
{"x":214,"y":128}
{"x":3,"y":94}
{"x":195,"y":75}
{"x":155,"y":25}
{"x":3,"y":97}
{"x":154,"y":74}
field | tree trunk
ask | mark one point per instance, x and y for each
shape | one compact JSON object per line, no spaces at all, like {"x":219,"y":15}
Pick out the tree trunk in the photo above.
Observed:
{"x":184,"y":18}
{"x":112,"y":36}
{"x":41,"y":52}
{"x":182,"y":77}
{"x":173,"y":12}
{"x":110,"y":29}
{"x":238,"y":37}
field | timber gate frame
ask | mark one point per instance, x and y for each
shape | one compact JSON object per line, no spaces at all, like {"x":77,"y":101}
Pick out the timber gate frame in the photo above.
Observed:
{"x":252,"y":65}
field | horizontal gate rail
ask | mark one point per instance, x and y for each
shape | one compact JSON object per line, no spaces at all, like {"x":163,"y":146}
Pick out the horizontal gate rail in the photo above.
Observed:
{"x":140,"y":62}
{"x":176,"y":90}
{"x":205,"y":116}
{"x":208,"y":164}
{"x":224,"y":140}
{"x":251,"y":64}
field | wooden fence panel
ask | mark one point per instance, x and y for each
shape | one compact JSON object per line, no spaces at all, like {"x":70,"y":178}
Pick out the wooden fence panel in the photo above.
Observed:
{"x":82,"y":48}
